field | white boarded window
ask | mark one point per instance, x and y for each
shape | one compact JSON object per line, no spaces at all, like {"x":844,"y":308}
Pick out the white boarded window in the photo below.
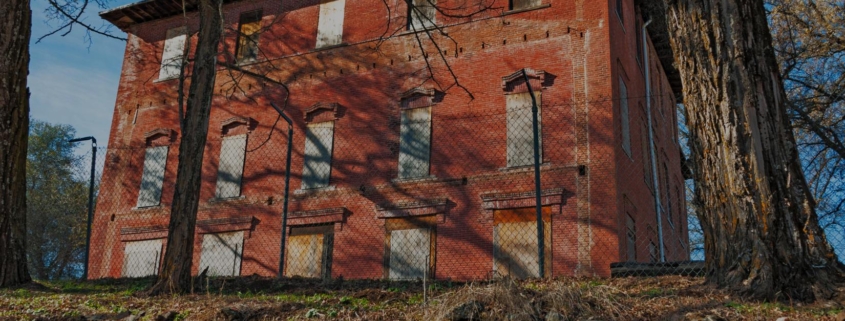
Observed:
{"x":422,"y":13}
{"x":410,"y":252}
{"x":626,"y":125}
{"x":221,"y":253}
{"x":171,"y":56}
{"x":141,"y":258}
{"x":231,"y":168}
{"x":415,"y":143}
{"x":330,"y":25}
{"x":318,"y":155}
{"x":309,"y":251}
{"x":520,"y":129}
{"x":155,"y":162}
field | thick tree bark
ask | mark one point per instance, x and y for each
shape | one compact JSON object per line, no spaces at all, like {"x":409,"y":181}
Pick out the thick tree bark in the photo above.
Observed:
{"x":761,"y":232}
{"x":15,"y":28}
{"x":175,"y":275}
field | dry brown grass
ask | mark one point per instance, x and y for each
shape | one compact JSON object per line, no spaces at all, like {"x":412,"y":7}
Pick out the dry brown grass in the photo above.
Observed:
{"x":253,"y":298}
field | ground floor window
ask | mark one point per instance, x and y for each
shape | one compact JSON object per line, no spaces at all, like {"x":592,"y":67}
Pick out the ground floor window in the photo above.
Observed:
{"x":515,"y":243}
{"x":410,"y":248}
{"x":309,"y":251}
{"x":141,"y":258}
{"x":222,"y":253}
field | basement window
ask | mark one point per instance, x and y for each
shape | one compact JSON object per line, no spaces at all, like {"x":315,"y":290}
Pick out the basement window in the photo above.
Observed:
{"x":141,"y":258}
{"x":330,"y":24}
{"x":309,"y":251}
{"x":222,"y":253}
{"x":249,"y":29}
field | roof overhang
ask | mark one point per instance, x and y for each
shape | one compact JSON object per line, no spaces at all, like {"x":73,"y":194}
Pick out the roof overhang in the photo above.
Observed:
{"x":147,"y":10}
{"x":659,"y":33}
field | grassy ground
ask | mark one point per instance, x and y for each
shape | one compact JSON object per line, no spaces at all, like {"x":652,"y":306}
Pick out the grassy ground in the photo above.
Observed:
{"x":253,"y":298}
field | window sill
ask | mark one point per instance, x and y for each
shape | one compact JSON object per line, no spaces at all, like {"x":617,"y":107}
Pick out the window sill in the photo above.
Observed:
{"x":314,"y":190}
{"x":148,"y":208}
{"x":225,"y":199}
{"x":429,"y":178}
{"x":160,"y":80}
{"x":523,"y":168}
{"x":329,"y":47}
{"x":515,"y":11}
{"x":420,"y":29}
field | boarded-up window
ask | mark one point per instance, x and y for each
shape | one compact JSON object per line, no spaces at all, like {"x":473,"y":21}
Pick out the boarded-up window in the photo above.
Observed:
{"x":155,"y":162}
{"x":318,"y":155}
{"x":646,"y":152}
{"x":520,"y":129}
{"x":330,"y":25}
{"x":668,"y":190}
{"x":524,"y":4}
{"x":221,"y":253}
{"x":652,"y":252}
{"x":415,"y":143}
{"x":410,"y":247}
{"x":231,"y":168}
{"x":410,"y":252}
{"x":516,"y":245}
{"x":623,"y":110}
{"x":421,"y":13}
{"x":141,"y":258}
{"x":249,"y":29}
{"x":171,"y":56}
{"x":631,"y":233}
{"x":309,"y":251}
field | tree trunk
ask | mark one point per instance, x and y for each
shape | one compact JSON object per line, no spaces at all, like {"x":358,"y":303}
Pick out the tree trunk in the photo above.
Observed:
{"x":761,"y":232}
{"x":175,"y":275}
{"x":15,"y":28}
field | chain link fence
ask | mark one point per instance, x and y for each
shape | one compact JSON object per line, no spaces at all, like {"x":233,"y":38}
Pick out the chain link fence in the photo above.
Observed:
{"x":424,"y":193}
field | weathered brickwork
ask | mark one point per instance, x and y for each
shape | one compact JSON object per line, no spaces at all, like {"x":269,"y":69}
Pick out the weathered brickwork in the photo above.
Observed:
{"x":590,"y":183}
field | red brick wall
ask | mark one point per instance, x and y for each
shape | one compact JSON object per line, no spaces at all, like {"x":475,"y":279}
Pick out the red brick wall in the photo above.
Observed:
{"x":575,"y":43}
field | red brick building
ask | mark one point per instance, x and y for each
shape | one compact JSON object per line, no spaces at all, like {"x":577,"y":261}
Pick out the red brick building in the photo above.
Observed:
{"x":397,"y":172}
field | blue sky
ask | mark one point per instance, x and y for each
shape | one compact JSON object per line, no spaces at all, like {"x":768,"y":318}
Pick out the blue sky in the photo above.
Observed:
{"x":71,"y":82}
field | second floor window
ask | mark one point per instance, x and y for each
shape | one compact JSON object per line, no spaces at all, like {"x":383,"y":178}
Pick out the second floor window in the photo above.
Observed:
{"x":521,"y":129}
{"x":330,"y":24}
{"x":415,"y":142}
{"x":421,"y":14}
{"x":318,"y":155}
{"x":155,"y":161}
{"x":249,"y":28}
{"x":231,"y":166}
{"x":171,"y":55}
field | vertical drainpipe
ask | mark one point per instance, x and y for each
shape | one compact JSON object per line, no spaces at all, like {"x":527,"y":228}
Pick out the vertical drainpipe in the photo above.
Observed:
{"x":655,"y":181}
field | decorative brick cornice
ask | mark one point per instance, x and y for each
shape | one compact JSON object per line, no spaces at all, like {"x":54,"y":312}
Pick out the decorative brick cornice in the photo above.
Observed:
{"x":138,"y":233}
{"x":496,"y":201}
{"x":318,"y":216}
{"x":159,"y":131}
{"x":332,"y":107}
{"x":412,"y":208}
{"x":418,"y":91}
{"x":246,"y":121}
{"x":226,"y":224}
{"x":515,"y":83}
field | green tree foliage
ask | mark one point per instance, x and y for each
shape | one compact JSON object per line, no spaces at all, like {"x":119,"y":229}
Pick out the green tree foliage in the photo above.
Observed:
{"x":58,"y":197}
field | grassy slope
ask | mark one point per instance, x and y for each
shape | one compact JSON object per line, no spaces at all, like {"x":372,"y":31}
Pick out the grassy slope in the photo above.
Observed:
{"x":253,"y":298}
